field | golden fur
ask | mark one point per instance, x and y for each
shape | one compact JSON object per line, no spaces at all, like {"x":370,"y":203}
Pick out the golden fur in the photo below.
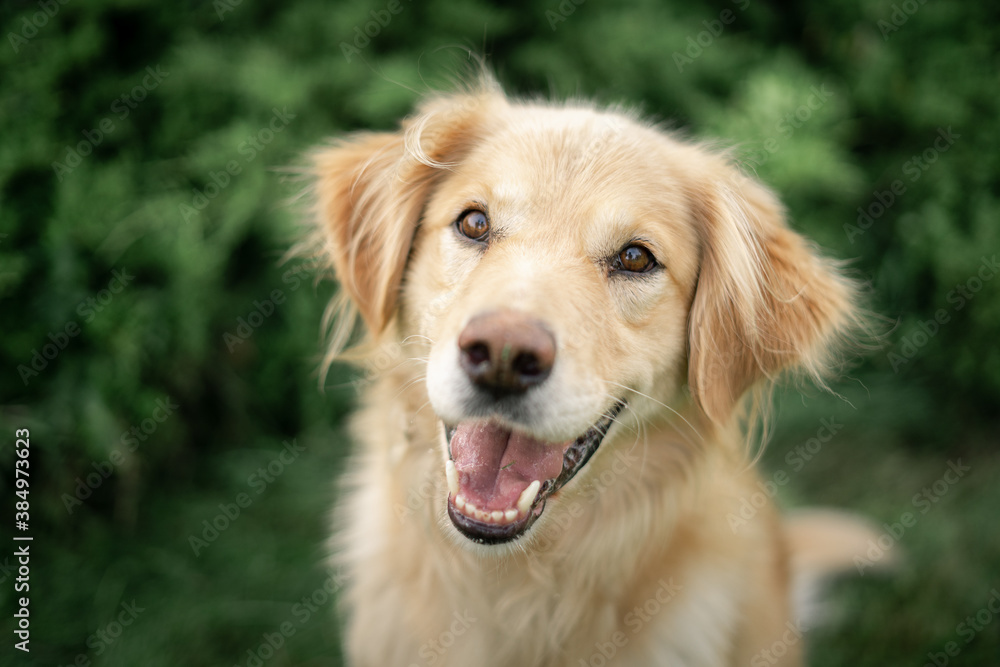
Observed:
{"x":633,"y":562}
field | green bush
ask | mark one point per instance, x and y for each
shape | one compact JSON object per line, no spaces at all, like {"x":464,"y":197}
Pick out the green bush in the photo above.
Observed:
{"x":144,"y":208}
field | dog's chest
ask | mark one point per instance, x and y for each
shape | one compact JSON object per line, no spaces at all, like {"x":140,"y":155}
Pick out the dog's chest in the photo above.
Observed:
{"x":516,"y":619}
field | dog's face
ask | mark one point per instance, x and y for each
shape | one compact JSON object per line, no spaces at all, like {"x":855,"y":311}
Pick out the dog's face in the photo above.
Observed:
{"x":552,"y":266}
{"x":561,"y":268}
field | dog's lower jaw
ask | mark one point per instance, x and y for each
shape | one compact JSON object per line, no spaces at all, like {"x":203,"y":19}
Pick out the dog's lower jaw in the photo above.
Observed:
{"x":574,"y":586}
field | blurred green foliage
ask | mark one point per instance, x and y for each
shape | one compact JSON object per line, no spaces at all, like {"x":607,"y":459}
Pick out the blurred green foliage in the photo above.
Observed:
{"x":145,"y":204}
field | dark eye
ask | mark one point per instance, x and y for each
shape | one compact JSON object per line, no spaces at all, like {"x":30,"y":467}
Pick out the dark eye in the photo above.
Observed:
{"x":473,"y":224}
{"x":634,"y":258}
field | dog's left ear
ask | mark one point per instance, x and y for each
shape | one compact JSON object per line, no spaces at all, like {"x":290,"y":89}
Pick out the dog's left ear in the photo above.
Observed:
{"x":370,"y":191}
{"x":765,"y":302}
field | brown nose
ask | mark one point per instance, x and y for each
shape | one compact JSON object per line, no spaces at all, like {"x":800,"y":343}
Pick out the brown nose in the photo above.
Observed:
{"x":505,"y":352}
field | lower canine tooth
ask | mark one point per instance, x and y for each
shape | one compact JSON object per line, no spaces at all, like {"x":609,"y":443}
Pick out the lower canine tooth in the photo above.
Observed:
{"x":527,"y":497}
{"x":452,"y":474}
{"x":459,"y":501}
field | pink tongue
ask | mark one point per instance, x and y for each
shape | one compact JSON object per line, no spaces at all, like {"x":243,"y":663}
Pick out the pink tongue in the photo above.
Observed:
{"x":496,"y":464}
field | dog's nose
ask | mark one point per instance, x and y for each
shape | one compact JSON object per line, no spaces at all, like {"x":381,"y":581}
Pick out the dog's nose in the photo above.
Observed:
{"x":506,"y":352}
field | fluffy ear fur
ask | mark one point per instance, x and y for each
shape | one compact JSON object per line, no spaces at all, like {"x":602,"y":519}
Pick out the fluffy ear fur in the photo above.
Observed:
{"x":765,"y":302}
{"x":368,"y":205}
{"x":369,"y":194}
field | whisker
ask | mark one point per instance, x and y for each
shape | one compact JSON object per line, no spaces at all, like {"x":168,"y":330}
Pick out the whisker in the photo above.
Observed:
{"x":640,"y":433}
{"x":406,"y":341}
{"x":417,"y":411}
{"x":409,"y":383}
{"x":683,"y":434}
{"x":615,"y":419}
{"x":370,"y":375}
{"x":664,"y":405}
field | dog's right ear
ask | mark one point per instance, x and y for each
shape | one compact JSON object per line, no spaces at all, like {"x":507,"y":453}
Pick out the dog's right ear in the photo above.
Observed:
{"x":370,"y":190}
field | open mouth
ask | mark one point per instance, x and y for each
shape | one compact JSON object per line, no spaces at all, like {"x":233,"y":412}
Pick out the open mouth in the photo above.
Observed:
{"x":499,"y":479}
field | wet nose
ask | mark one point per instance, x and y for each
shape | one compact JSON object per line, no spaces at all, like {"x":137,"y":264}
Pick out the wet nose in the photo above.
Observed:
{"x":506,"y":352}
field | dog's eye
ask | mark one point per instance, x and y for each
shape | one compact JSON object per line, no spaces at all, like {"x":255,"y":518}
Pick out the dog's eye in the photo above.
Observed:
{"x":474,"y":225}
{"x":634,"y":258}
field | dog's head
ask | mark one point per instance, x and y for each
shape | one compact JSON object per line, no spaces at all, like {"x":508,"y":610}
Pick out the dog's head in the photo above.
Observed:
{"x":560,"y":267}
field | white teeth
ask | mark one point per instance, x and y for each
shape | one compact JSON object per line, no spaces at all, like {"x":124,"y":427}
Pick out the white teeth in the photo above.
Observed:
{"x":452,"y":474}
{"x":500,"y":517}
{"x":528,"y":497}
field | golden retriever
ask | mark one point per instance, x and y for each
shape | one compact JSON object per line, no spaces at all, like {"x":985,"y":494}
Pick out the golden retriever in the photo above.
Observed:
{"x":574,"y":313}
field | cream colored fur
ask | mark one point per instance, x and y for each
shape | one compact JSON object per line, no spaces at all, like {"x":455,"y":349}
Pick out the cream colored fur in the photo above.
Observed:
{"x":634,"y":562}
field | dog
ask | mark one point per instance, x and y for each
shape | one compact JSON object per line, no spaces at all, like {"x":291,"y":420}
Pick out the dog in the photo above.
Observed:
{"x":576,"y":316}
